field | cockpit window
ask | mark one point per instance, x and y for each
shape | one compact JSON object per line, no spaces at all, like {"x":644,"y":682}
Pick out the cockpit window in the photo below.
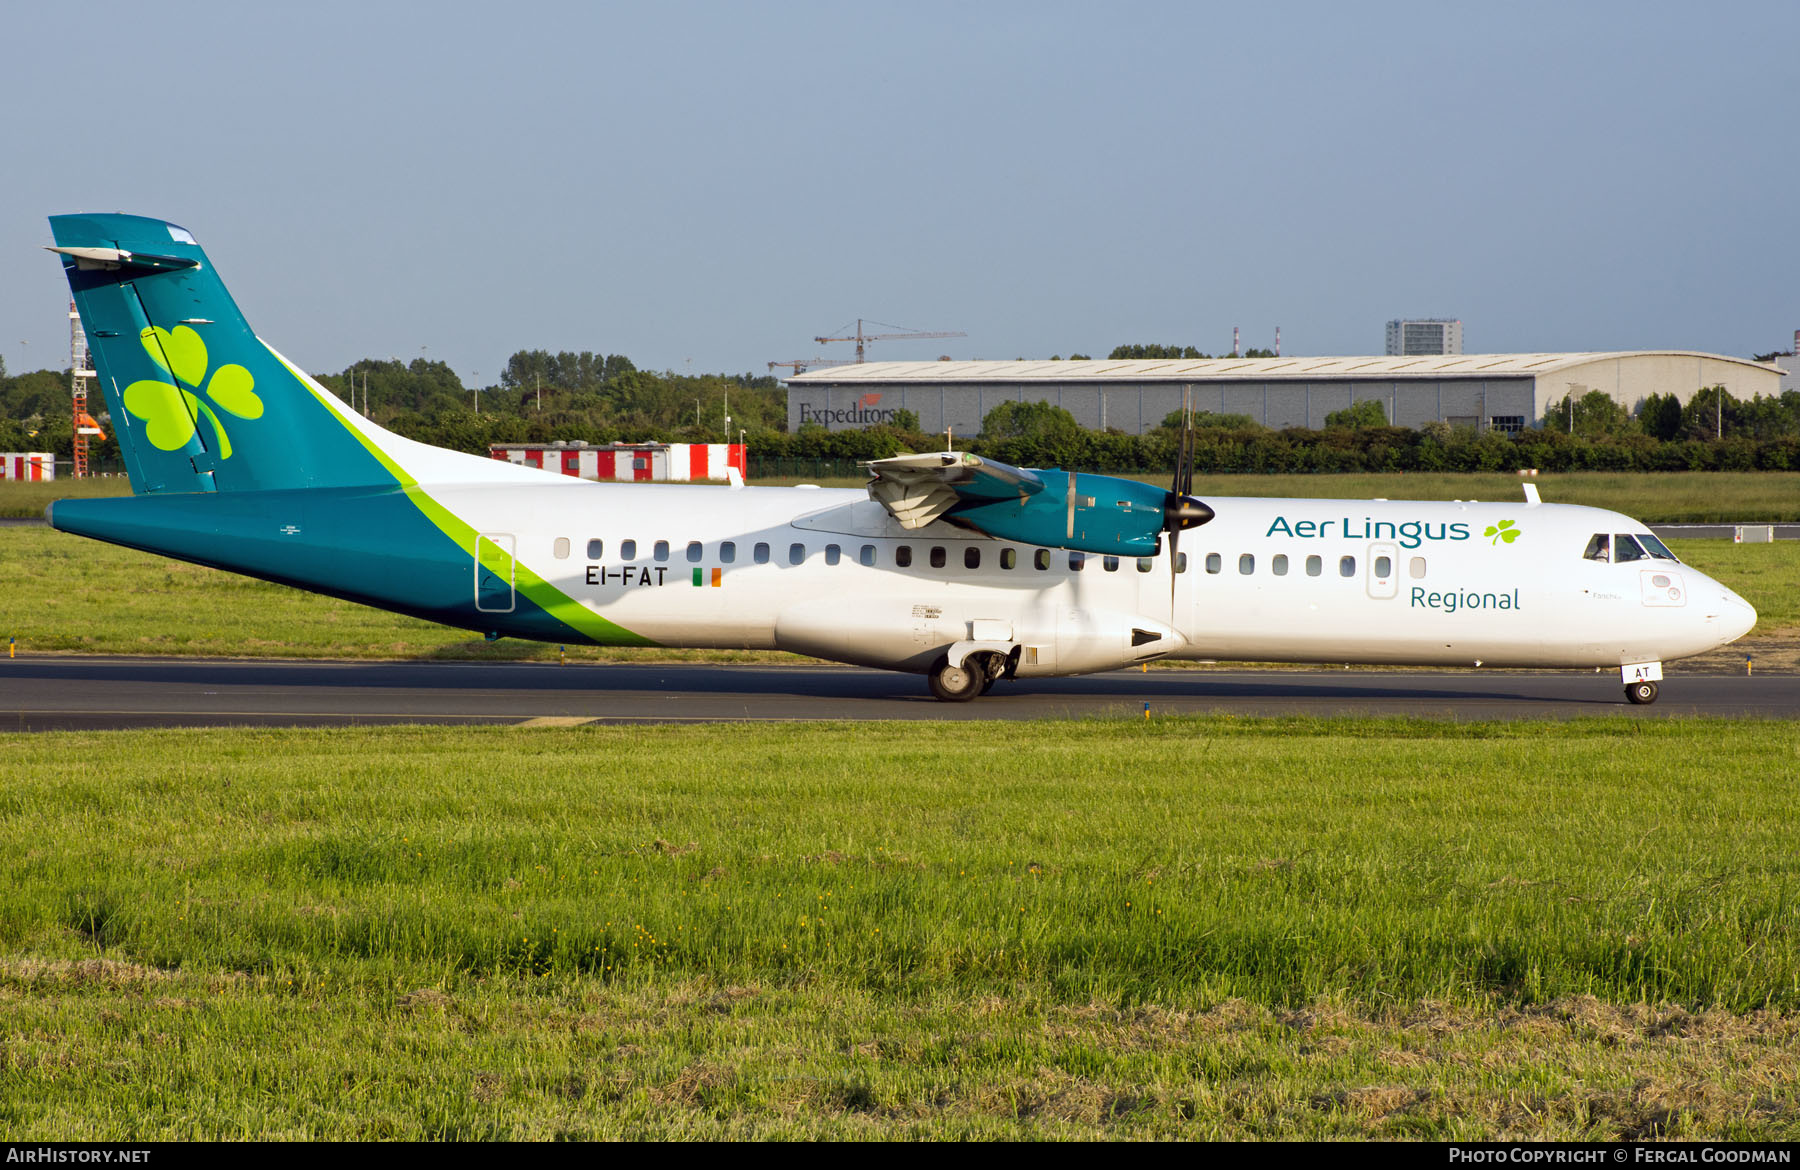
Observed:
{"x":1626,"y":548}
{"x":1657,"y":548}
{"x":1599,"y":547}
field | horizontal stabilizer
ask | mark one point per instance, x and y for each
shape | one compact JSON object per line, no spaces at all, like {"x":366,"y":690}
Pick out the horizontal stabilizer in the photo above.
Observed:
{"x":114,"y":259}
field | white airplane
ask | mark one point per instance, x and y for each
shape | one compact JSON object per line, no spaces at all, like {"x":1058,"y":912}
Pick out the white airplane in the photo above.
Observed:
{"x":949,"y":565}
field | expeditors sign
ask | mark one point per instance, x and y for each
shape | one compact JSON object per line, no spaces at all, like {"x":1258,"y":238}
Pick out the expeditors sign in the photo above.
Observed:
{"x":676,"y":462}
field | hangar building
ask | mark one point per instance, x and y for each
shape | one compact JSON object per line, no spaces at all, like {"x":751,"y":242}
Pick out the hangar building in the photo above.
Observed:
{"x":1504,"y":392}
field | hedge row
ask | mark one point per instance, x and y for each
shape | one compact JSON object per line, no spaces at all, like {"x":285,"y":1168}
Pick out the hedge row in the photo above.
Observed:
{"x":1301,"y":451}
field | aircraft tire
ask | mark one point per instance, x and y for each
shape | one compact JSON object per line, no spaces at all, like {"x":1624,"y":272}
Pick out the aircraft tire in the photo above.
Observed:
{"x":1641,"y":692}
{"x":956,"y":684}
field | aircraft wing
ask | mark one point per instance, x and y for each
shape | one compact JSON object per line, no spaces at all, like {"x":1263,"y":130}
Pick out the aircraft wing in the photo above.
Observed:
{"x":917,"y":489}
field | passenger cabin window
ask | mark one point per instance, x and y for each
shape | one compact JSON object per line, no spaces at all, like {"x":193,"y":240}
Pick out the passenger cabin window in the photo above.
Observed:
{"x":560,"y":549}
{"x":1598,"y":547}
{"x":1417,"y":568}
{"x":628,"y":550}
{"x":833,"y":554}
{"x":1181,"y":562}
{"x":727,"y":551}
{"x":1626,"y":548}
{"x":971,"y":557}
{"x":796,"y":554}
{"x":1041,"y":558}
{"x":1214,"y":562}
{"x":1314,"y":566}
{"x":867,"y":555}
{"x":903,"y":556}
{"x":1077,"y":562}
{"x":1384,"y":567}
{"x":760,"y":554}
{"x":1346,"y":566}
{"x":693,"y":552}
{"x":1145,"y":564}
{"x":660,"y":550}
{"x":1247,"y":564}
{"x":1009,"y":558}
{"x":596,"y":549}
{"x":937,"y":556}
{"x":1278,"y":564}
{"x":1110,"y":564}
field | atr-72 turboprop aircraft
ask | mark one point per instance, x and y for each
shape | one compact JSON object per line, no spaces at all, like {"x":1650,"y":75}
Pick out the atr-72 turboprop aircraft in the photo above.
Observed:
{"x":960,"y":568}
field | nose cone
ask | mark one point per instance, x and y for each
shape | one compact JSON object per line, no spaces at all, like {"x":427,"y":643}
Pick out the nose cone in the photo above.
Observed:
{"x":1736,"y":617}
{"x":1184,"y":512}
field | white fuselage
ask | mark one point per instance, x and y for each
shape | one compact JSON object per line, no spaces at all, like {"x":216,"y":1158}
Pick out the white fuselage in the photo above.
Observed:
{"x":829,"y":573}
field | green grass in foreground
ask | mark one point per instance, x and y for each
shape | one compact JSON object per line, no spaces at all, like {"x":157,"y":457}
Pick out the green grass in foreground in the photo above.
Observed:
{"x":25,"y":500}
{"x":64,"y":593}
{"x":1290,"y":928}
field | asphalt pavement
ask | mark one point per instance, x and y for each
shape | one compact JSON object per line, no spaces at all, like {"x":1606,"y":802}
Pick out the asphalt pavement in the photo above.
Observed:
{"x":68,"y":692}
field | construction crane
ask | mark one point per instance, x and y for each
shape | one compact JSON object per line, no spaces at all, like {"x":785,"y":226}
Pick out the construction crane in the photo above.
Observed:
{"x":862,"y":338}
{"x":801,"y":365}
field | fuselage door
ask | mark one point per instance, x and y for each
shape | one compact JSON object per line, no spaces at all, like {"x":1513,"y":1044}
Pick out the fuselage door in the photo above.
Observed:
{"x":1384,"y":571}
{"x":494,"y":572}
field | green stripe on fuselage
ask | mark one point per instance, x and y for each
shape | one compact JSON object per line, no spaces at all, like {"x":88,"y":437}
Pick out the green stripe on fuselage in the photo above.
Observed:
{"x":545,"y":597}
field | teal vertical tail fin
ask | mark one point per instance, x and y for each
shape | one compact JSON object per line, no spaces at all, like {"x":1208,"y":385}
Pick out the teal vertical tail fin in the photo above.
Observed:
{"x":198,"y":402}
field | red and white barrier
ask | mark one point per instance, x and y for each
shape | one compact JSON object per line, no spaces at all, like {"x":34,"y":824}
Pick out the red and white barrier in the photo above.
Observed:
{"x":28,"y":465}
{"x":646,"y":462}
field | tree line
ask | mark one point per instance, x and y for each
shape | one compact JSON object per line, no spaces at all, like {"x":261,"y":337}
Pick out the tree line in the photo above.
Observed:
{"x":540,"y":397}
{"x":1039,"y":434}
{"x":601,"y":398}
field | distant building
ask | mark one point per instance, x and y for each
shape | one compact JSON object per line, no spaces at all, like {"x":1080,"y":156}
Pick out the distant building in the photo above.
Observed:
{"x":1500,"y":392}
{"x":1432,"y":337}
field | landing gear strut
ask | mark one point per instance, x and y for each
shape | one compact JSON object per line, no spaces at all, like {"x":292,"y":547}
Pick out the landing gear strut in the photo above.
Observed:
{"x":1641,"y":692}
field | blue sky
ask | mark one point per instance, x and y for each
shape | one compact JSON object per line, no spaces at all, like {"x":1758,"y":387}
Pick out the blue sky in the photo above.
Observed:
{"x":707,"y":186}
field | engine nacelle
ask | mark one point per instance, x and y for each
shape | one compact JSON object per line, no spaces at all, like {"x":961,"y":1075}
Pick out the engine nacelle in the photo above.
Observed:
{"x":1087,"y":513}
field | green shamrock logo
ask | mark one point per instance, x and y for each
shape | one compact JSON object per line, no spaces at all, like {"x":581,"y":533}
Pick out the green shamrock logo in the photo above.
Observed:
{"x":160,"y":404}
{"x":1501,"y":531}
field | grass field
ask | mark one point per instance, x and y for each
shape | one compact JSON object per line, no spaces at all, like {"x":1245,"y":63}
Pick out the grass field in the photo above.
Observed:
{"x":1661,"y":497}
{"x":1176,"y":928}
{"x":61,"y":593}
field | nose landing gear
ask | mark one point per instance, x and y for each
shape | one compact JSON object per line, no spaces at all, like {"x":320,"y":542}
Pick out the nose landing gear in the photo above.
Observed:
{"x":975,"y":677}
{"x":1640,"y":679}
{"x":957,"y":684}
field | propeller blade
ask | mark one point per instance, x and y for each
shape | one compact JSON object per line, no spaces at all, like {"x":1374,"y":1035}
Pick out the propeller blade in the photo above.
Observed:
{"x":1174,"y":560}
{"x":1176,"y":512}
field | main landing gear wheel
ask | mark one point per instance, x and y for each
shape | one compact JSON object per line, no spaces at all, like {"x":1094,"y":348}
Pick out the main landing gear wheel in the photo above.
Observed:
{"x":957,"y":684}
{"x":1641,"y":692}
